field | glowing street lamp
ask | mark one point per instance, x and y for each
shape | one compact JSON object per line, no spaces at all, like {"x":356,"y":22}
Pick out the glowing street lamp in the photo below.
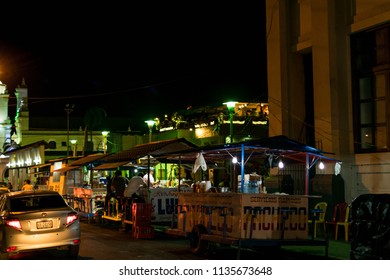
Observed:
{"x":230,"y":105}
{"x":150,"y":124}
{"x":74,"y":144}
{"x":105,"y":134}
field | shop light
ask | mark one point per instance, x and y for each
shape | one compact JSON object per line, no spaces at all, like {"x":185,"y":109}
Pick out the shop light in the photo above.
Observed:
{"x":281,"y":164}
{"x":234,"y":160}
{"x":321,"y":165}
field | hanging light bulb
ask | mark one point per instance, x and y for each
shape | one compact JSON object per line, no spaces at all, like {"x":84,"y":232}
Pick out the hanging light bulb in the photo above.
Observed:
{"x":234,"y":160}
{"x":321,"y":165}
{"x":281,"y":164}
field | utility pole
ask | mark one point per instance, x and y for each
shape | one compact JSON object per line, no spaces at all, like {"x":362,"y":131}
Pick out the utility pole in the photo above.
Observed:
{"x":68,"y":109}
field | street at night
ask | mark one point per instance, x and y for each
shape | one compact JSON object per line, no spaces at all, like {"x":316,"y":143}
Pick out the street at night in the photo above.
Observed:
{"x":111,"y":243}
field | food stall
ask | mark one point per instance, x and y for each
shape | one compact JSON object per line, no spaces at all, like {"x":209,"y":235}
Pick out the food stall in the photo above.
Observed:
{"x":252,"y":213}
{"x":144,"y":155}
{"x":82,"y":187}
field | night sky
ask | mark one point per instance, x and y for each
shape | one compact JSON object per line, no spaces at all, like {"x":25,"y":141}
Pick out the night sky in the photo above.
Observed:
{"x":135,"y":60}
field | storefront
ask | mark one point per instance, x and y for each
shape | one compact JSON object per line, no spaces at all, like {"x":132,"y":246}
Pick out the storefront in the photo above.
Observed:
{"x":20,"y":162}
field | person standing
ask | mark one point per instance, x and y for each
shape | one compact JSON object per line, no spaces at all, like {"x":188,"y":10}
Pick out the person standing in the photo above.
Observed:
{"x":118,"y":186}
{"x":109,"y":193}
{"x":27,"y":185}
{"x":119,"y":183}
{"x":149,"y":179}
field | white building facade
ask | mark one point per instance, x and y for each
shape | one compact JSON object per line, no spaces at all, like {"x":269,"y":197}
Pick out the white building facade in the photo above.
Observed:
{"x":328,"y":68}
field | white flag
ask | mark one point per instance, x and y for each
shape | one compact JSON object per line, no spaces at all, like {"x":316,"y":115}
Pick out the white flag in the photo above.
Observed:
{"x":199,"y":162}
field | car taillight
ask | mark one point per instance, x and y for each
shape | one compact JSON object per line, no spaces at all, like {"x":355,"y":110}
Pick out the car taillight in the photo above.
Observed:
{"x":71,"y":218}
{"x":14,"y":223}
{"x":11,"y":249}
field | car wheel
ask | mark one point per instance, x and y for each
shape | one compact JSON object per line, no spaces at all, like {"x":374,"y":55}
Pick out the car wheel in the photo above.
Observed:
{"x":73,"y":251}
{"x":197,"y":245}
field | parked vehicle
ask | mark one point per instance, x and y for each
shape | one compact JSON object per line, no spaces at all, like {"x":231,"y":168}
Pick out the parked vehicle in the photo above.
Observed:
{"x":37,"y":220}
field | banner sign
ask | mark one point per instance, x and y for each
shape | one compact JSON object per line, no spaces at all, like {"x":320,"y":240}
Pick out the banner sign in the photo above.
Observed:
{"x":164,"y":202}
{"x":244,"y":216}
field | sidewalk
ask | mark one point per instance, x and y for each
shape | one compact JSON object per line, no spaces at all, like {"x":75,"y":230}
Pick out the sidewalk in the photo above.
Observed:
{"x":337,"y":250}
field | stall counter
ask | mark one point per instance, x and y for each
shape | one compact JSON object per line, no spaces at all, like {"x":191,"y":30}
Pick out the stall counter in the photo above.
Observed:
{"x":244,"y":216}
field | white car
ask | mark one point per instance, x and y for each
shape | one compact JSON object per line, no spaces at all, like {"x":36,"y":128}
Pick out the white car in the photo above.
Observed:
{"x":37,"y":220}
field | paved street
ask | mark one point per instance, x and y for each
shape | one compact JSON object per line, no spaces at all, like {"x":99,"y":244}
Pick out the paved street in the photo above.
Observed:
{"x":111,"y":243}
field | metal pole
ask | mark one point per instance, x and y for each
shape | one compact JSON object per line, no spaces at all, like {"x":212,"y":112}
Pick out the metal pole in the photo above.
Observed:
{"x":148,"y":171}
{"x":242,"y":166}
{"x":67,"y":135}
{"x":231,"y":125}
{"x":150,"y":124}
{"x":68,"y":109}
{"x":307,"y":175}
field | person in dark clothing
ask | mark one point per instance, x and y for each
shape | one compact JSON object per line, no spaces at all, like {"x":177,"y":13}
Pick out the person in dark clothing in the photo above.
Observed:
{"x":118,"y":186}
{"x":119,"y":183}
{"x":109,"y":192}
{"x":108,"y":185}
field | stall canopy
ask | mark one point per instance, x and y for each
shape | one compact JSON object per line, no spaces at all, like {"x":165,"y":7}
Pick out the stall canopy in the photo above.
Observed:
{"x":90,"y":159}
{"x":68,"y":168}
{"x":269,"y":150}
{"x":111,"y":165}
{"x":276,"y":147}
{"x":39,"y":169}
{"x":150,"y":149}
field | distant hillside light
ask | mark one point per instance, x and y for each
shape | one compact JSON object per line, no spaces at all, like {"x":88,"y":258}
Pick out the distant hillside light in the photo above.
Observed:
{"x":230,"y":105}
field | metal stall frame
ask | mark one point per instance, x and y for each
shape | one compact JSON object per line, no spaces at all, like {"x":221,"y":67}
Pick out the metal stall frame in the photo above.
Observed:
{"x":273,"y":147}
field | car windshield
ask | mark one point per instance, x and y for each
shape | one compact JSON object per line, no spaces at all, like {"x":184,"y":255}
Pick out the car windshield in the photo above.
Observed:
{"x":28,"y":203}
